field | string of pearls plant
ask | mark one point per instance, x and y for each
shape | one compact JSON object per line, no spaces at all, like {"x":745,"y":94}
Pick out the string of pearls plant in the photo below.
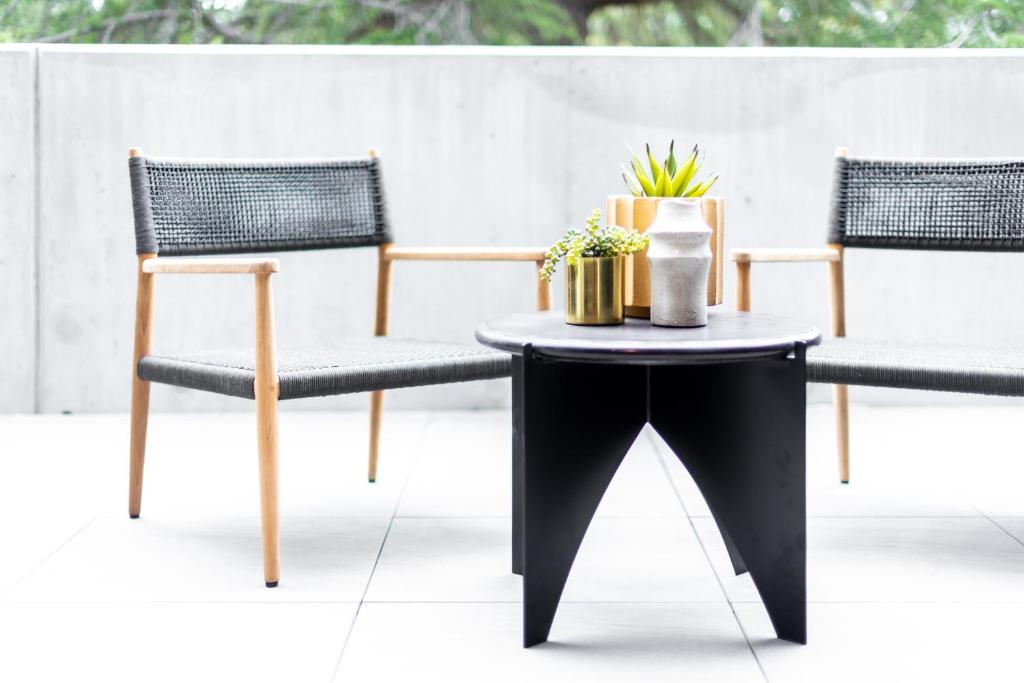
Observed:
{"x":593,"y":240}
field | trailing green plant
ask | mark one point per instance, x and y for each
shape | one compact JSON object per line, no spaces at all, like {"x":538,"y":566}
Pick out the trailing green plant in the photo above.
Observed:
{"x":593,"y":240}
{"x":668,"y":179}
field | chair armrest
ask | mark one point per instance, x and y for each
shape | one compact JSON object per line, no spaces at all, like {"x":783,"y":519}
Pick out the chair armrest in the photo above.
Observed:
{"x":783,"y":255}
{"x":389,"y":253}
{"x":832,"y":255}
{"x":266,"y":383}
{"x":210,"y":265}
{"x":535,"y":254}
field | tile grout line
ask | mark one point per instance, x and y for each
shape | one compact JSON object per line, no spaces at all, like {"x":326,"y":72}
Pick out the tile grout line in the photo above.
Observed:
{"x":859,"y":516}
{"x":997,"y":524}
{"x":491,"y":516}
{"x":387,"y":531}
{"x":46,"y":559}
{"x":707,"y":556}
{"x":312,"y":601}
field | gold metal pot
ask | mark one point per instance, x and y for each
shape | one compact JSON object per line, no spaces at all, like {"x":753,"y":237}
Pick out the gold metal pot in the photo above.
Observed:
{"x":593,"y":291}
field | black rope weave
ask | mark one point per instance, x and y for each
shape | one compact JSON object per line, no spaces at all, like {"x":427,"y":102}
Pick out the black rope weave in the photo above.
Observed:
{"x":934,"y":367}
{"x":210,"y":207}
{"x":942,"y":205}
{"x":349,"y":366}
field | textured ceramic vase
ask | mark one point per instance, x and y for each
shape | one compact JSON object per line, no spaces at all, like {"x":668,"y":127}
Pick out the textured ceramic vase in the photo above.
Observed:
{"x":679,"y":257}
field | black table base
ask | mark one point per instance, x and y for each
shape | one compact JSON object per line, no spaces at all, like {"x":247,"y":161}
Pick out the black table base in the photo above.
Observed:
{"x":737,"y":427}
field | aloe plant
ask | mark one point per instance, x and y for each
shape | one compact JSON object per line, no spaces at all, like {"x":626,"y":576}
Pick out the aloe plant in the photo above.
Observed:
{"x":668,"y":179}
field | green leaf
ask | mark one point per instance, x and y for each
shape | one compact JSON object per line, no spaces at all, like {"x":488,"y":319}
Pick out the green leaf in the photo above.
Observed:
{"x":682,"y":177}
{"x":633,"y":186}
{"x":699,"y":189}
{"x":662,"y":187}
{"x":641,"y":176}
{"x":655,"y":166}
{"x":636,"y":164}
{"x":645,"y":183}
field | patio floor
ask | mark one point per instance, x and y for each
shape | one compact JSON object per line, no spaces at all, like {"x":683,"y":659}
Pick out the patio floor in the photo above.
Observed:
{"x":916,"y":570}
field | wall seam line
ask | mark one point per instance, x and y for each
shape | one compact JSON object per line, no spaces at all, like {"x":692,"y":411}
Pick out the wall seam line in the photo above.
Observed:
{"x":36,"y":240}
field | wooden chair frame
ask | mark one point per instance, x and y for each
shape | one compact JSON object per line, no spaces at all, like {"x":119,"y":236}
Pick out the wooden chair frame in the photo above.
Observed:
{"x":388,"y":254}
{"x":831,"y":254}
{"x":266,"y":383}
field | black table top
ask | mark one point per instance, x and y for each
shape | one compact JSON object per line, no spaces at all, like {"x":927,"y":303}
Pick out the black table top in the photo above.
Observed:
{"x":729,"y":335}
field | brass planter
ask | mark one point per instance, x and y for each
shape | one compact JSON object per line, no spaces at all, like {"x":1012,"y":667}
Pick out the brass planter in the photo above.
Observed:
{"x":593,"y":291}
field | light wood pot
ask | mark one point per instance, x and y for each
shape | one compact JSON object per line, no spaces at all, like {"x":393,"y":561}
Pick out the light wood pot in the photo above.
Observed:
{"x":638,"y":213}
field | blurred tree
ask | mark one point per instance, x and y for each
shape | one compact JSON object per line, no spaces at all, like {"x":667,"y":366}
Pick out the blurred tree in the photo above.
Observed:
{"x":813,"y":23}
{"x":826,"y":23}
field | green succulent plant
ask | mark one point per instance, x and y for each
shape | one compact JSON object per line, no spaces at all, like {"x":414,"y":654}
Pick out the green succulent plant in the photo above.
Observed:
{"x":593,"y":240}
{"x":668,"y":179}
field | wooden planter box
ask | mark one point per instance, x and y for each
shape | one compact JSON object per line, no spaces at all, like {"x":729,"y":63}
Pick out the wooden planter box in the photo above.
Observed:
{"x":638,"y":213}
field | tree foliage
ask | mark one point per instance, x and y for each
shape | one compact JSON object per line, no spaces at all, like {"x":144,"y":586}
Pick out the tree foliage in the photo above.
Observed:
{"x":826,"y":23}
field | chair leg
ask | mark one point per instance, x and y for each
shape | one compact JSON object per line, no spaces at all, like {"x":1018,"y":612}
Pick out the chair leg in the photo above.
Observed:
{"x":376,"y":407}
{"x":140,"y":387}
{"x":842,"y":408}
{"x":266,"y":428}
{"x":137,"y":459}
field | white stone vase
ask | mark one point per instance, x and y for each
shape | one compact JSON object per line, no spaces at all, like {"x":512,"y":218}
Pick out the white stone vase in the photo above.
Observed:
{"x":679,"y":256}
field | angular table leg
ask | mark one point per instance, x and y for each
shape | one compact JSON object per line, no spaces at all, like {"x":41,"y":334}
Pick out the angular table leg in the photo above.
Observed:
{"x":578,"y":421}
{"x":517,"y":465}
{"x":738,"y":565}
{"x":739,"y":428}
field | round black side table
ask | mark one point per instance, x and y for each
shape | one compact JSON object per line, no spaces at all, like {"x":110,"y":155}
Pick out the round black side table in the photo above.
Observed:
{"x":729,"y":399}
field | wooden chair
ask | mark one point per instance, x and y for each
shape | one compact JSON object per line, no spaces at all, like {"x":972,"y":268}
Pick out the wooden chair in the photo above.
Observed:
{"x":950,"y":205}
{"x":210,"y":208}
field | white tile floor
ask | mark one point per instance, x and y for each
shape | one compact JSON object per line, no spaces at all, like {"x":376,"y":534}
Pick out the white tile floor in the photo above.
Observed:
{"x":916,"y":570}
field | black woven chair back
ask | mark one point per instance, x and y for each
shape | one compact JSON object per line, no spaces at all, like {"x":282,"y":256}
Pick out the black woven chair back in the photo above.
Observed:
{"x":211,"y":207}
{"x":947,"y":205}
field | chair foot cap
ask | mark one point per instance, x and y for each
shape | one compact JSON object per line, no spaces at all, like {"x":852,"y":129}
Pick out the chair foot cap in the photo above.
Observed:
{"x":131,"y":516}
{"x":844,"y":481}
{"x":373,"y":481}
{"x":271,"y":584}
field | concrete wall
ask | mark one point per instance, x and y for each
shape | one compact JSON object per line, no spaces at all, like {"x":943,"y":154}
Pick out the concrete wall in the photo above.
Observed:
{"x":17,"y":229}
{"x":480,"y":147}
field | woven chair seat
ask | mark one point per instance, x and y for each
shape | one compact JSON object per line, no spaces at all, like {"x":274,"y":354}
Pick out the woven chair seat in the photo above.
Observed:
{"x":350,"y":366}
{"x":935,"y":367}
